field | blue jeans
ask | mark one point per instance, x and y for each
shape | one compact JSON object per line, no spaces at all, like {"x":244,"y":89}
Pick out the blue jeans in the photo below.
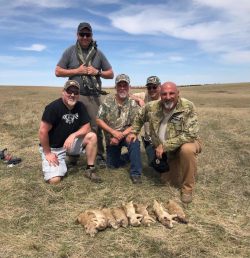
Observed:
{"x":116,"y":160}
{"x":149,"y":150}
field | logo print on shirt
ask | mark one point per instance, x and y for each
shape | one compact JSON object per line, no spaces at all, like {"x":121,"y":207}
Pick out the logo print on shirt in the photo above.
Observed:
{"x":69,"y":118}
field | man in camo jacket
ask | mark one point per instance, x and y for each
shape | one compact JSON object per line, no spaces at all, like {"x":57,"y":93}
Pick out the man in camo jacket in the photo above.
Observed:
{"x":173,"y":124}
{"x":115,"y":116}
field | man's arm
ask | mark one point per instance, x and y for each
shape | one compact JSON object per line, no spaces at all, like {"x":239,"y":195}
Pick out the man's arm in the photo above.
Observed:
{"x":43,"y":133}
{"x":118,"y":135}
{"x":82,"y":70}
{"x":68,"y":144}
{"x":137,"y":99}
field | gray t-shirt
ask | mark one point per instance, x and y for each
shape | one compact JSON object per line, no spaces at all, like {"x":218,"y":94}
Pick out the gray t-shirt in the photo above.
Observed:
{"x":69,"y":61}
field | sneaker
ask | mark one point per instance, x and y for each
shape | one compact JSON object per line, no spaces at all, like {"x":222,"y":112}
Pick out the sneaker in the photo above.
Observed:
{"x":136,"y":180}
{"x":91,"y":174}
{"x":101,"y":162}
{"x":186,"y":198}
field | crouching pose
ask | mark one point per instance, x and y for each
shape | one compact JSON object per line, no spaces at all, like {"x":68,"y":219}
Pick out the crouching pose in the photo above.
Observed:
{"x":173,"y":124}
{"x":115,"y":116}
{"x":65,"y":129}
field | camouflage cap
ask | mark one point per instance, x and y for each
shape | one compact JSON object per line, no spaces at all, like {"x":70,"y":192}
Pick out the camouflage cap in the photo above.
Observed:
{"x":83,"y":25}
{"x":71,"y":83}
{"x":122,"y":77}
{"x":153,"y":80}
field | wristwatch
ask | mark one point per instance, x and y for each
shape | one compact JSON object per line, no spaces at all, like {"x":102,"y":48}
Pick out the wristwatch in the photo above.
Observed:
{"x":99,"y":73}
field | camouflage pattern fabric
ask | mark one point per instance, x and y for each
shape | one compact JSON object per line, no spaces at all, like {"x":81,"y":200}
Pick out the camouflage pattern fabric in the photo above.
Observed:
{"x":91,"y":52}
{"x":117,"y":117}
{"x":182,"y":127}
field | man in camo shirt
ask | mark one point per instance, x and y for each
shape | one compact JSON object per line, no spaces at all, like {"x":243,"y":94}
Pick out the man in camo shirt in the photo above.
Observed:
{"x":115,"y":116}
{"x":173,"y":124}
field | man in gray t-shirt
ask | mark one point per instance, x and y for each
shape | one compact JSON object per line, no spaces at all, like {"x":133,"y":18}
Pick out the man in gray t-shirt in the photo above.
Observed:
{"x":75,"y":64}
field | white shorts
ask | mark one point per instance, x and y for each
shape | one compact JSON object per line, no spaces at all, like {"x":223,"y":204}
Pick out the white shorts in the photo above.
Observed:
{"x":51,"y":171}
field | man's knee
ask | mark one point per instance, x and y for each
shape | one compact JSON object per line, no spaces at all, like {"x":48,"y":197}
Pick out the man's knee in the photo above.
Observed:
{"x":188,"y":149}
{"x":91,"y":137}
{"x":53,"y":180}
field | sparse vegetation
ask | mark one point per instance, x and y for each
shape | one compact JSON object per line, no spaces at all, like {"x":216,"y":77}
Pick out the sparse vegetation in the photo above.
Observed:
{"x":38,"y":219}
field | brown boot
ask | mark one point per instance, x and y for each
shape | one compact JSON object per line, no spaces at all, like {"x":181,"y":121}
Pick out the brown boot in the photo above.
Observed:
{"x":186,"y":198}
{"x":92,"y":175}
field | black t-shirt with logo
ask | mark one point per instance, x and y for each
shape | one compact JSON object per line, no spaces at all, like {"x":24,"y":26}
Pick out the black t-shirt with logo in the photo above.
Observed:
{"x":64,"y":122}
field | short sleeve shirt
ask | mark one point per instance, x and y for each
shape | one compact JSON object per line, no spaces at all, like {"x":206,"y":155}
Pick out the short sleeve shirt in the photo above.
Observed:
{"x":64,"y":122}
{"x":117,"y":117}
{"x":69,"y":61}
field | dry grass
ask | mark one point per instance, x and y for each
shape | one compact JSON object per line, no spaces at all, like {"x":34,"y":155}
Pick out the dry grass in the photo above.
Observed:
{"x":38,"y":220}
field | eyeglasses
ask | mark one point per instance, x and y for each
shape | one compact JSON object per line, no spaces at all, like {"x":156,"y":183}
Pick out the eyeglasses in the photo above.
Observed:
{"x":75,"y":92}
{"x":153,"y":87}
{"x":87,"y":34}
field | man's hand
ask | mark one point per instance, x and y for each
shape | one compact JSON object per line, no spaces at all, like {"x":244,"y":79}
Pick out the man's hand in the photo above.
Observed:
{"x":81,"y":70}
{"x":131,"y":137}
{"x":159,"y":151}
{"x":114,"y":142}
{"x":118,"y":135}
{"x":68,"y":144}
{"x":52,"y":159}
{"x":141,"y":103}
{"x":92,"y":71}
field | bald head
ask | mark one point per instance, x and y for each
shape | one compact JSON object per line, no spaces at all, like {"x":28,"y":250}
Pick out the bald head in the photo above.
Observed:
{"x":170,"y":85}
{"x":169,"y":96}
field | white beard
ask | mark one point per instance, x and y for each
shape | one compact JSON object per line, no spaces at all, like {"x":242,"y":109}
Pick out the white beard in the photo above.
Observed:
{"x":122,"y":94}
{"x":71,"y":103}
{"x":169,"y":105}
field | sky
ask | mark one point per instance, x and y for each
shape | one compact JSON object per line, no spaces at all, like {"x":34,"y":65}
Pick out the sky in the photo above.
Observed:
{"x":185,"y":41}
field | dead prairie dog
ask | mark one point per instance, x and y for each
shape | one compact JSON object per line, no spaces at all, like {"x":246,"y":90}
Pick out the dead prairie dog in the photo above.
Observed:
{"x":142,"y":209}
{"x":165,"y":218}
{"x":110,"y":218}
{"x":134,"y":218}
{"x":175,"y":208}
{"x":120,"y":216}
{"x":84,"y":219}
{"x":99,"y":218}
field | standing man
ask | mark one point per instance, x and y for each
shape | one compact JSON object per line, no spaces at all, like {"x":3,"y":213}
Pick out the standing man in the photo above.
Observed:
{"x":115,"y":117}
{"x":86,"y":64}
{"x":173,"y":123}
{"x":153,"y":85}
{"x":65,"y":130}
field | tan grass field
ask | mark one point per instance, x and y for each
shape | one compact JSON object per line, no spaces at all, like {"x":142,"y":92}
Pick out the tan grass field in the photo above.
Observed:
{"x":38,"y":219}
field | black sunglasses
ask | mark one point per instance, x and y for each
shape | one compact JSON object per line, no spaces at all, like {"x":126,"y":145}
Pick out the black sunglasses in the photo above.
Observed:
{"x":87,"y":34}
{"x":153,"y":87}
{"x":75,"y":92}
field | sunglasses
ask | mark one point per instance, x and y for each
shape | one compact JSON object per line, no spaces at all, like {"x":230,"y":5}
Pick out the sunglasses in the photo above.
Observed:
{"x":75,"y":92}
{"x":153,"y":87}
{"x":87,"y":34}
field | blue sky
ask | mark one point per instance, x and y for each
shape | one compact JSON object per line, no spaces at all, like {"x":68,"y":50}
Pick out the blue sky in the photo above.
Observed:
{"x":184,"y":41}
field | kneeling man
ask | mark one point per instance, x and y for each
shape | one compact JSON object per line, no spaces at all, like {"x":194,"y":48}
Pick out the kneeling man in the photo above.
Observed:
{"x":115,"y":116}
{"x":173,"y":124}
{"x":65,"y":129}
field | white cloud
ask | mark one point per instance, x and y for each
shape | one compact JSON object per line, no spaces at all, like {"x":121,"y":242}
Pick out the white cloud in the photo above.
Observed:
{"x":175,"y":58}
{"x":216,"y":25}
{"x":17,"y":60}
{"x":237,"y":57}
{"x":33,"y":47}
{"x":41,"y":3}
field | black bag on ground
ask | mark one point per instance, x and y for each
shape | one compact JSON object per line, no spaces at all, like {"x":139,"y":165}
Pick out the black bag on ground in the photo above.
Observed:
{"x":160,"y":165}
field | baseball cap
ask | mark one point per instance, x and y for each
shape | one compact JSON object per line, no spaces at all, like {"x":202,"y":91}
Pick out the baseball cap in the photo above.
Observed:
{"x":83,"y":25}
{"x":71,"y":83}
{"x":153,"y":80}
{"x":122,"y":77}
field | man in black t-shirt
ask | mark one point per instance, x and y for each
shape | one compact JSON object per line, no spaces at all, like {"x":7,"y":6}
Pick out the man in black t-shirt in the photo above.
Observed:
{"x":65,"y":130}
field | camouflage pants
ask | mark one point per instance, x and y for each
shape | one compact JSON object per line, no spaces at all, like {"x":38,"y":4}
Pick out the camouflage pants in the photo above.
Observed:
{"x":183,"y":167}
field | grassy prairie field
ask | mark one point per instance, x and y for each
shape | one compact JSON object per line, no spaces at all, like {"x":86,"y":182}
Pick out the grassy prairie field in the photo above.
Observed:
{"x":38,"y":219}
